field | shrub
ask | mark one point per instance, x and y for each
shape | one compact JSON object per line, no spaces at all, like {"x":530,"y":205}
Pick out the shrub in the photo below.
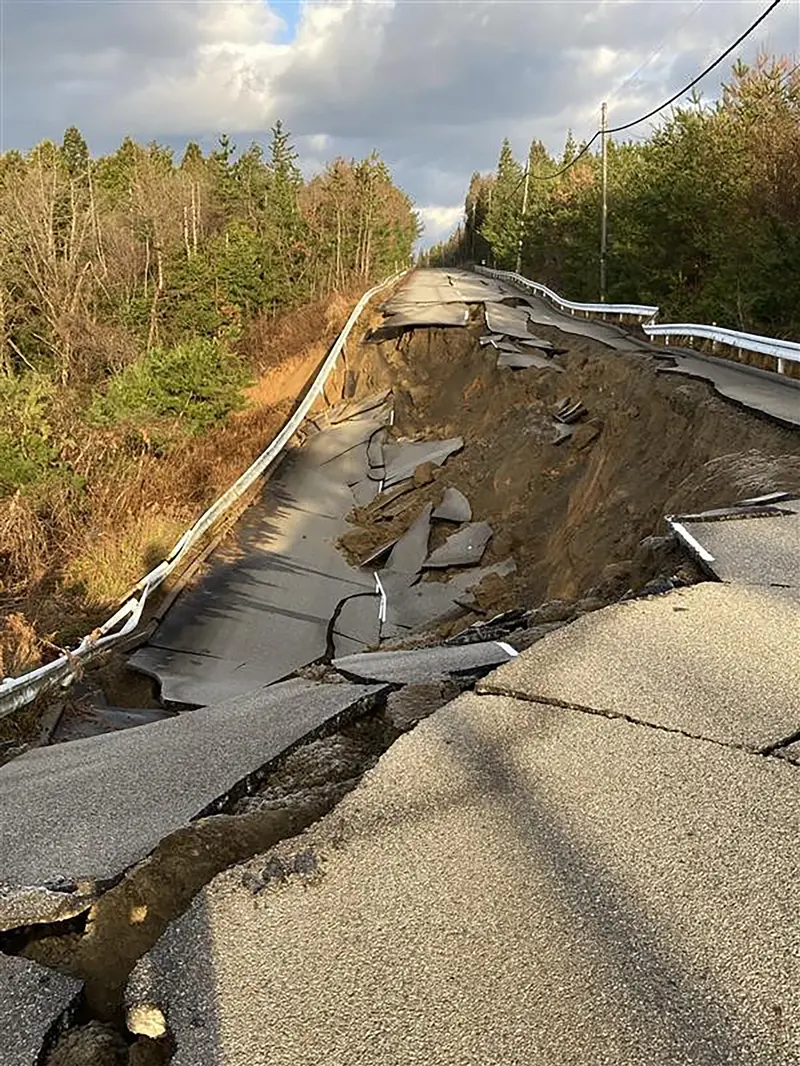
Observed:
{"x":197,"y":383}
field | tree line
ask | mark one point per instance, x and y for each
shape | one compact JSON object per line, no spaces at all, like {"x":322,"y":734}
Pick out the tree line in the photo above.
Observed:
{"x":103,"y":258}
{"x":703,"y":214}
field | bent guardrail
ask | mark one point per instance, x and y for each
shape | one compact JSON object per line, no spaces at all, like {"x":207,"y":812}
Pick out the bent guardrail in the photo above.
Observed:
{"x":639,"y":311}
{"x":17,"y":692}
{"x":781,"y":351}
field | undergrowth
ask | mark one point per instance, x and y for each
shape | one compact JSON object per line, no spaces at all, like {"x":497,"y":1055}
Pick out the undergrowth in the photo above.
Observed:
{"x":97,"y":484}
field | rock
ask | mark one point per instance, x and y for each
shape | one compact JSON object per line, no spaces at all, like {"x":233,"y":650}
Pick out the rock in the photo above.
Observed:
{"x":524,"y":638}
{"x":589,"y":604}
{"x":553,"y":611}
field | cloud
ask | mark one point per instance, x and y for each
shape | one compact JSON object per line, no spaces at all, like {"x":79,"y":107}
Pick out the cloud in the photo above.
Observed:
{"x":440,"y":221}
{"x":434,"y":86}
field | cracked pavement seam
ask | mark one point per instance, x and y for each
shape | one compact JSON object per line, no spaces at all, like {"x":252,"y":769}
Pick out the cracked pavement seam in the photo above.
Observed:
{"x":487,"y":689}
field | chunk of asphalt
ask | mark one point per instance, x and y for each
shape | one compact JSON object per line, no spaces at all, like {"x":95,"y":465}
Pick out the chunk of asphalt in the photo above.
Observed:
{"x":410,"y":607}
{"x":34,"y":1005}
{"x":424,"y":664}
{"x":403,"y":459}
{"x":455,"y":507}
{"x":356,"y":624}
{"x":364,"y":491}
{"x":408,"y":554}
{"x":375,"y":449}
{"x":74,"y":817}
{"x":507,"y":321}
{"x":684,"y":661}
{"x":464,"y":548}
{"x":561,"y":432}
{"x":525,"y":361}
{"x":751,"y":551}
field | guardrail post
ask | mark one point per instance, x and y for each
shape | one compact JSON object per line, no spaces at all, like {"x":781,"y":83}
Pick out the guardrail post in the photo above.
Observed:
{"x":781,"y":365}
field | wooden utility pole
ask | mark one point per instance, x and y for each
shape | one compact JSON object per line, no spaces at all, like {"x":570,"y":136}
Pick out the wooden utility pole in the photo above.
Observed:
{"x":522,"y":219}
{"x":604,"y":209}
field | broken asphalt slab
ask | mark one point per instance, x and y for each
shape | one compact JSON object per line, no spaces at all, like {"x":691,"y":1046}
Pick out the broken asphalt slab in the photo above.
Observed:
{"x":712,"y":661}
{"x":513,"y":883}
{"x":35,"y":1003}
{"x":263,"y":607}
{"x":748,"y":550}
{"x":74,"y":817}
{"x":410,"y":550}
{"x":455,"y":507}
{"x":414,"y":607}
{"x":464,"y":548}
{"x":424,"y":665}
{"x":775,"y":395}
{"x":403,"y":458}
{"x":507,"y":321}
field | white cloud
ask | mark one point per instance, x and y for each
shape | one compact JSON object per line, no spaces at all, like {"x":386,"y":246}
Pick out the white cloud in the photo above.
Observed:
{"x":439,"y":221}
{"x":434,"y":87}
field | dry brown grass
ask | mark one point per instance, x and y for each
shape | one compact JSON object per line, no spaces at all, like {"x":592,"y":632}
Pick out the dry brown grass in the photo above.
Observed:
{"x":67,"y":557}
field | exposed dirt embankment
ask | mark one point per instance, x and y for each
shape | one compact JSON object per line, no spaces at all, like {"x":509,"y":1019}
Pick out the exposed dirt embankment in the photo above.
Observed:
{"x":572,"y":514}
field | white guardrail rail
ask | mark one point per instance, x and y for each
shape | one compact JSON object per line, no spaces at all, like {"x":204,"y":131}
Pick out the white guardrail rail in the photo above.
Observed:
{"x":17,"y":692}
{"x":781,"y":351}
{"x":646,"y":314}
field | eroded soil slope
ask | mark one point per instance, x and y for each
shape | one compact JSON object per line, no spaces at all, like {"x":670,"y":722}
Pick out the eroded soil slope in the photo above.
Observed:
{"x":571,"y":514}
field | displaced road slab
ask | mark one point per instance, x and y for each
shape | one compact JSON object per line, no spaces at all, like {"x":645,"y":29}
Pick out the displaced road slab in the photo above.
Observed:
{"x":34,"y":1003}
{"x":425,"y":664}
{"x":464,"y":548}
{"x":512,"y":884}
{"x":262,"y":610}
{"x":683,"y":661}
{"x":751,"y":551}
{"x":772,"y":394}
{"x":403,"y":458}
{"x":455,"y":507}
{"x":82,"y":813}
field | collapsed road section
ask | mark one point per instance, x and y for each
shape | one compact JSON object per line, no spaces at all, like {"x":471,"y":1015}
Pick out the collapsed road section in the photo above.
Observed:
{"x":485,"y":487}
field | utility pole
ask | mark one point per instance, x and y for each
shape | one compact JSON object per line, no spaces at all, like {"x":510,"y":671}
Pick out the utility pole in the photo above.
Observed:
{"x":522,"y":219}
{"x":604,"y":209}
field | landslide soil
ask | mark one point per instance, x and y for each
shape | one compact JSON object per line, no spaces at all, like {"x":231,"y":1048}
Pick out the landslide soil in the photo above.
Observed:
{"x":572,"y":515}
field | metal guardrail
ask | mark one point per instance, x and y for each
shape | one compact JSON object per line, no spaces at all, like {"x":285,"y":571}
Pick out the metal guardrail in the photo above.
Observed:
{"x":646,"y":314}
{"x":751,"y":342}
{"x":17,"y":692}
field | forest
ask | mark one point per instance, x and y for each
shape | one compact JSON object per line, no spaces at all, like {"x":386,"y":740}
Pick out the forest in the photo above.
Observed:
{"x":703,"y":211}
{"x":140,"y":297}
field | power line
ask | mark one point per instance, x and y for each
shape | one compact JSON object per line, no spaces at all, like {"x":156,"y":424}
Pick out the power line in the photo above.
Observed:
{"x":656,"y":52}
{"x":643,"y":118}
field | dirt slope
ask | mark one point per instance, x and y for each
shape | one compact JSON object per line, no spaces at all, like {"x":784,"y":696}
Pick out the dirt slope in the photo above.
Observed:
{"x":571,"y":514}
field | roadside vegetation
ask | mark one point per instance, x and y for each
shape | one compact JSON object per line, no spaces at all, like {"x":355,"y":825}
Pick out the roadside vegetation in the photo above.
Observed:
{"x":703,"y":214}
{"x":152,"y":312}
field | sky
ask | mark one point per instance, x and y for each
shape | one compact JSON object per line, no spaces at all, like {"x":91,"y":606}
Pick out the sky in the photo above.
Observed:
{"x":432,"y":85}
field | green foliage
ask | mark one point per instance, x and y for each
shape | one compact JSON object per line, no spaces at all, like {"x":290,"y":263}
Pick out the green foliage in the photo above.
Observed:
{"x":703,"y":216}
{"x":196,"y":383}
{"x":28,"y":453}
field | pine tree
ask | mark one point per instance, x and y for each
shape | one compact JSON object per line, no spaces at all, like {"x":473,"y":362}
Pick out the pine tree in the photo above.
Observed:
{"x":75,"y":153}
